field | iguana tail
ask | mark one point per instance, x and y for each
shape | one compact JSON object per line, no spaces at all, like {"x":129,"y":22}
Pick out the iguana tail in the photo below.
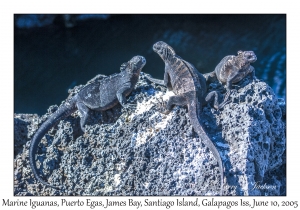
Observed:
{"x":63,"y":111}
{"x":156,"y":81}
{"x":193,"y":106}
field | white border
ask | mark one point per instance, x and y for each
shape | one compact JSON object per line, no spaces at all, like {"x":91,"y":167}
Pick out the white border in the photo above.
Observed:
{"x":8,"y":8}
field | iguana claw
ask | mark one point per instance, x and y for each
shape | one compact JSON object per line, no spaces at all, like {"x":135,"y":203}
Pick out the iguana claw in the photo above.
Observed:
{"x":226,"y":98}
{"x":130,"y":106}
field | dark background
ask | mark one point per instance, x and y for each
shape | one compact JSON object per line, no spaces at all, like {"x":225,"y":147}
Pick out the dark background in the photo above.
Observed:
{"x":53,"y":53}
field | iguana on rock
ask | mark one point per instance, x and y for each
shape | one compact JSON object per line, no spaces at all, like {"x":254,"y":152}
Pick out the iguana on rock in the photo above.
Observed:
{"x":233,"y":69}
{"x":99,"y":95}
{"x":190,"y":89}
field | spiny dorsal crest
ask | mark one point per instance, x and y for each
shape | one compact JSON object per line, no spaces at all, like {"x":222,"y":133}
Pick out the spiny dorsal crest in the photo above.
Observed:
{"x":228,"y":62}
{"x":168,"y":52}
{"x":123,"y":66}
{"x":171,"y":50}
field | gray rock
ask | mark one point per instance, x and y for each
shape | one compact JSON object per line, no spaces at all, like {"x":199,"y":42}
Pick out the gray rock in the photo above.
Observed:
{"x":144,"y":152}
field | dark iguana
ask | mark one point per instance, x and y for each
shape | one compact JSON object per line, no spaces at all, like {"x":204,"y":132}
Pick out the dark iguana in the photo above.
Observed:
{"x":233,"y":69}
{"x":99,"y":95}
{"x":190,"y":89}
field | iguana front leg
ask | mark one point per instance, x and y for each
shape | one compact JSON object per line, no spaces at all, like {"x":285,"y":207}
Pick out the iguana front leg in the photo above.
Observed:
{"x":121,"y":95}
{"x":230,"y":79}
{"x":213,"y":96}
{"x":252,"y":72}
{"x":84,"y":112}
{"x":156,"y":81}
{"x":210,"y":77}
{"x":165,"y":82}
{"x":229,"y":89}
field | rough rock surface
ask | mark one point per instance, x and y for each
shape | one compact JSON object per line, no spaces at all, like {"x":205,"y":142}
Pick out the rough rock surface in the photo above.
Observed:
{"x":144,"y":152}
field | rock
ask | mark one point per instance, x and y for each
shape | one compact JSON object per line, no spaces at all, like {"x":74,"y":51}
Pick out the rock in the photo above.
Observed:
{"x":144,"y":152}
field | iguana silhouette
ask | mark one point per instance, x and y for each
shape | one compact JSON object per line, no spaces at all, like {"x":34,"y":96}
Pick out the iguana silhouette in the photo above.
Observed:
{"x":190,"y":89}
{"x":99,"y":96}
{"x":233,"y":69}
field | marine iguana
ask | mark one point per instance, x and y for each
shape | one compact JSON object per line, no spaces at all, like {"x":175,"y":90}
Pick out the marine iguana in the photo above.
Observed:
{"x":233,"y":69}
{"x":99,"y":96}
{"x":189,"y":87}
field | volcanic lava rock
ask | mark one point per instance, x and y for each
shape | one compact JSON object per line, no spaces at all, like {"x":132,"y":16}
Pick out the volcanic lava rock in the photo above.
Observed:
{"x":144,"y":152}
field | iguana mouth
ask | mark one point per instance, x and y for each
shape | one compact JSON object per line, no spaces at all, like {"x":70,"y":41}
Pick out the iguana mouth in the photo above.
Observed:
{"x":250,"y":56}
{"x":143,"y":60}
{"x":138,"y":61}
{"x":253,"y":59}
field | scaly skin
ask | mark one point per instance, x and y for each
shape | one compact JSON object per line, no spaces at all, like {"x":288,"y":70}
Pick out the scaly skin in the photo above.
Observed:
{"x":233,"y":69}
{"x":99,"y":96}
{"x":190,"y":89}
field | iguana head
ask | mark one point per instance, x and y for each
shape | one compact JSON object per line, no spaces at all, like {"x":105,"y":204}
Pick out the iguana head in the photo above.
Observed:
{"x":135,"y":65}
{"x":164,"y":50}
{"x":247,"y":56}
